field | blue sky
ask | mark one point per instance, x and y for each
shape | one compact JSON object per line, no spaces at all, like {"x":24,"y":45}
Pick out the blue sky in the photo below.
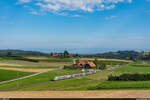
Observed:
{"x":84,"y":26}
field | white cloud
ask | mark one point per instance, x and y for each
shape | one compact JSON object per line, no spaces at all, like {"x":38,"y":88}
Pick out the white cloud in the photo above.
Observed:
{"x":76,"y":15}
{"x":34,"y":12}
{"x":24,"y":1}
{"x":74,"y":5}
{"x":110,"y":17}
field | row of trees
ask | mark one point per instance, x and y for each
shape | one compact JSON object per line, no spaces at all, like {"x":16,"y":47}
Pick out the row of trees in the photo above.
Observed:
{"x":130,"y":77}
{"x":99,"y":65}
{"x":129,"y":55}
{"x":65,"y":54}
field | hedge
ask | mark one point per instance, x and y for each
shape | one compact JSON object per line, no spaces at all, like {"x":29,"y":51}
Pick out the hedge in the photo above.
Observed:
{"x":130,"y":77}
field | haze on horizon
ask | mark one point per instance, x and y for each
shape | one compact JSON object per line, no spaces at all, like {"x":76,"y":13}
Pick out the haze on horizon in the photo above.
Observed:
{"x":81,"y":24}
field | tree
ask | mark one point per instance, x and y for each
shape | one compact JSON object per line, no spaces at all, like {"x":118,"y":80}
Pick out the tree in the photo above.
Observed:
{"x":66,"y":53}
{"x":51,"y":54}
{"x":102,"y":66}
{"x":76,"y":55}
{"x":9,"y":54}
{"x":95,"y":62}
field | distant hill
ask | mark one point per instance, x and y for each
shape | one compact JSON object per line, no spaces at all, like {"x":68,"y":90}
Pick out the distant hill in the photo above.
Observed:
{"x":22,"y":53}
{"x":118,"y":54}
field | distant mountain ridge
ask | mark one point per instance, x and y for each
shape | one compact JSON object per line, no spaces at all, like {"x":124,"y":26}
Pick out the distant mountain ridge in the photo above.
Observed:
{"x":117,"y":54}
{"x":22,"y":52}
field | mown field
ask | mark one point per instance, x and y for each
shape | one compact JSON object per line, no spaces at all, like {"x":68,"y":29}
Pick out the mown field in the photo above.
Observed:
{"x":50,"y":59}
{"x":112,"y":62}
{"x":45,"y":77}
{"x":93,"y":82}
{"x":116,"y":85}
{"x":96,"y":82}
{"x":30,"y":67}
{"x":8,"y":75}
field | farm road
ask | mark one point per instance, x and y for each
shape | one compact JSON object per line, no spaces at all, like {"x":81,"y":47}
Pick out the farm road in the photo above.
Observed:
{"x":26,"y":70}
{"x":78,"y":94}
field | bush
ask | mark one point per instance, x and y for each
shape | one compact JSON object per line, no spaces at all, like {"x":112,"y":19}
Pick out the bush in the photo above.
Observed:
{"x":130,"y":77}
{"x":21,"y":58}
{"x":70,"y":67}
{"x":102,"y":66}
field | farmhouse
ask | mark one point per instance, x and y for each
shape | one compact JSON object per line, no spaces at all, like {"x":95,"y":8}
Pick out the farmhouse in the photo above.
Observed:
{"x":145,"y":54}
{"x":86,"y":64}
{"x":61,"y":55}
{"x":57,"y":55}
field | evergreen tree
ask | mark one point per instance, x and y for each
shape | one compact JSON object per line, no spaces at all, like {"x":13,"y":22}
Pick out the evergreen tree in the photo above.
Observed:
{"x":66,"y":53}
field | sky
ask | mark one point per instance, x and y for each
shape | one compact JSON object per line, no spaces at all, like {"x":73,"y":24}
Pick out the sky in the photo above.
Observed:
{"x":81,"y":26}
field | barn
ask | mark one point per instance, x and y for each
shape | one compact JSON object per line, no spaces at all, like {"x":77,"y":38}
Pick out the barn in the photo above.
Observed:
{"x":86,"y":64}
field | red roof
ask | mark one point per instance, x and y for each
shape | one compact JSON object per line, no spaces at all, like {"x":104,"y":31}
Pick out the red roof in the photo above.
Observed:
{"x":82,"y":63}
{"x":57,"y":55}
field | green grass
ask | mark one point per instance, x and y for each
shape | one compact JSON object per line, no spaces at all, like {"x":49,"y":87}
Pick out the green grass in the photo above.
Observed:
{"x":69,"y":85}
{"x":133,"y":69}
{"x":124,"y":84}
{"x":141,"y":62}
{"x":112,"y":62}
{"x":8,"y":75}
{"x":92,"y":82}
{"x":3,"y":58}
{"x":45,"y":77}
{"x":65,"y":84}
{"x":29,"y":67}
{"x":129,"y":85}
{"x":57,"y":60}
{"x":141,"y":65}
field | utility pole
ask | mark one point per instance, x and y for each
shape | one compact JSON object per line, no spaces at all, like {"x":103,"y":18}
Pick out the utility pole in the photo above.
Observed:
{"x":18,"y":79}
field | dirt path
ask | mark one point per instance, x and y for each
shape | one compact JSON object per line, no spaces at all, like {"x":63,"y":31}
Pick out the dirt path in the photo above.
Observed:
{"x":103,"y":59}
{"x":78,"y":94}
{"x":27,"y":63}
{"x":1,"y":64}
{"x":26,"y":70}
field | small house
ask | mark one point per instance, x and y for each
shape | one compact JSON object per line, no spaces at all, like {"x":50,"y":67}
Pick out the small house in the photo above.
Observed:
{"x":57,"y":55}
{"x":86,"y":64}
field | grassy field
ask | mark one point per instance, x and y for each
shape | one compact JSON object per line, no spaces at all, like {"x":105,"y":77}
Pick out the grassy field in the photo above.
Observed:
{"x":122,"y":85}
{"x":92,"y":82}
{"x":8,"y":75}
{"x":133,"y":69}
{"x":112,"y":62}
{"x":69,"y":85}
{"x":30,"y":67}
{"x":125,"y":84}
{"x":1,"y":58}
{"x":105,"y":59}
{"x":96,"y":82}
{"x":26,"y":63}
{"x":50,"y":59}
{"x":45,"y":77}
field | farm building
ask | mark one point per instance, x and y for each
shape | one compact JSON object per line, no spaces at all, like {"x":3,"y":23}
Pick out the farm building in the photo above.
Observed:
{"x":86,"y":64}
{"x":145,"y":54}
{"x":57,"y":55}
{"x":61,"y":55}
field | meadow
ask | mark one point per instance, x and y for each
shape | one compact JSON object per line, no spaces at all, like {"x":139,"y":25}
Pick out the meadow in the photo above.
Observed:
{"x":30,"y":67}
{"x":116,"y":85}
{"x":111,"y":62}
{"x":98,"y":81}
{"x":8,"y":74}
{"x":45,"y":77}
{"x":50,"y":59}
